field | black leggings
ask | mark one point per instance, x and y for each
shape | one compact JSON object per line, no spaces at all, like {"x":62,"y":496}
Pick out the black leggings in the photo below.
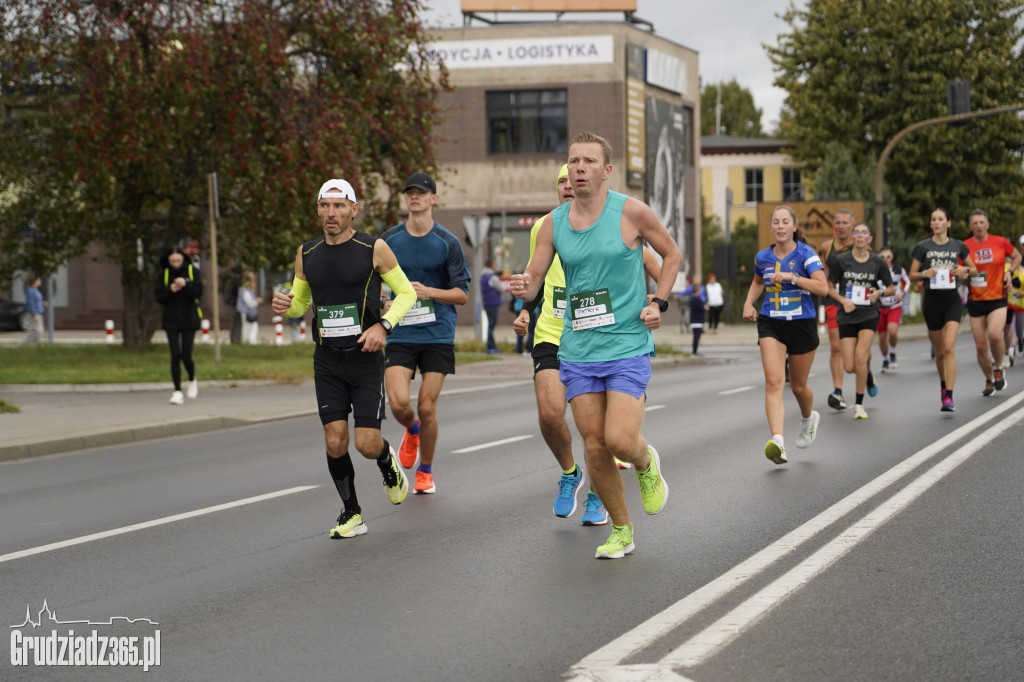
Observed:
{"x":180,"y":342}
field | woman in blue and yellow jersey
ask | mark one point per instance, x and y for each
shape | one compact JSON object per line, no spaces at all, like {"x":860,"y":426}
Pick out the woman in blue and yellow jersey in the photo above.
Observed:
{"x":790,"y":272}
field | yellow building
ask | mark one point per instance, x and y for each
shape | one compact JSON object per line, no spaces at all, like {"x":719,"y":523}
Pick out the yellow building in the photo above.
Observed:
{"x":738,"y":173}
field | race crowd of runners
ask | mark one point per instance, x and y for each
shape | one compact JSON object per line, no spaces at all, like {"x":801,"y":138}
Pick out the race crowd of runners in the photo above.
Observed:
{"x":591,"y":258}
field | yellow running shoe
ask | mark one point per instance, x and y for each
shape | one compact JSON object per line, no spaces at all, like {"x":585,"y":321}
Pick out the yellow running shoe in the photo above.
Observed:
{"x":619,"y":544}
{"x":653,"y":488}
{"x":350,"y":524}
{"x":395,"y":482}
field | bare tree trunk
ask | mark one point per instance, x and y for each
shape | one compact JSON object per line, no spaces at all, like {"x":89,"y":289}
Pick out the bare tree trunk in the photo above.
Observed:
{"x":141,"y":310}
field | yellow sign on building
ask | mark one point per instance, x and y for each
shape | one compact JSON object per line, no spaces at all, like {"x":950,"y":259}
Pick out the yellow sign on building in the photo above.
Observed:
{"x":814,"y":217}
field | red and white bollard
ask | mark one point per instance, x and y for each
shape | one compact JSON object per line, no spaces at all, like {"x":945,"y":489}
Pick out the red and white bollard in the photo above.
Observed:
{"x":205,"y":325}
{"x":302,"y":331}
{"x":278,"y":330}
{"x":109,"y":325}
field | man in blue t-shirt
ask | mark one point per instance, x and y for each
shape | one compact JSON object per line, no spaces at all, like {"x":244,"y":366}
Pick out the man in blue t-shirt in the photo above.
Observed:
{"x":432,"y":259}
{"x":35,"y":306}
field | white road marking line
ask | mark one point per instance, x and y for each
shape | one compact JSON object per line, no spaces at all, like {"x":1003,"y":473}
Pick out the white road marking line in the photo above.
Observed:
{"x":741,"y":389}
{"x":652,"y":408}
{"x":477,"y":389}
{"x":675,"y":615}
{"x":150,"y":524}
{"x":700,"y":646}
{"x":492,"y":444}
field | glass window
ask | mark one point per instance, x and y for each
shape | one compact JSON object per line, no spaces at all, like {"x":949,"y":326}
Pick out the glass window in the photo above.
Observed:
{"x":791,"y":190}
{"x":527,"y":122}
{"x":753,"y":181}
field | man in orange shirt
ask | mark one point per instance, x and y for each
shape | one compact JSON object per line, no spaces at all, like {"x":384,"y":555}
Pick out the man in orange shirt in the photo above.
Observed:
{"x":987,"y":301}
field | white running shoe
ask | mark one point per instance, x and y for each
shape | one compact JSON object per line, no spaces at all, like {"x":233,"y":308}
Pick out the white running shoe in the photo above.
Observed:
{"x":192,"y":390}
{"x":808,"y":431}
{"x":177,"y":398}
{"x":775,"y":451}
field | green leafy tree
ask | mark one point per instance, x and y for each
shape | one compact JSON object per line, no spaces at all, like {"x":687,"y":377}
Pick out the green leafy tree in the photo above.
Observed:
{"x":857,"y":73}
{"x":740,"y":116}
{"x":116,"y":112}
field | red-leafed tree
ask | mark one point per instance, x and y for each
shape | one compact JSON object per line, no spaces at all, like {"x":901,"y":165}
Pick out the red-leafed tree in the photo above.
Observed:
{"x":115,"y":111}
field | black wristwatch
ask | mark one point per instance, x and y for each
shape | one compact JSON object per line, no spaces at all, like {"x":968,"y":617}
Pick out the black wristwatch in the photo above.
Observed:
{"x":662,"y":303}
{"x":387,"y":326}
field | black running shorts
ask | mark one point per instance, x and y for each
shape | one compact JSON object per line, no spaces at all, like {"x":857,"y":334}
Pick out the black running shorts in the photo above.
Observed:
{"x":428,"y":357}
{"x":847,"y":331}
{"x":545,"y":356}
{"x":798,"y":336}
{"x":349,"y":381}
{"x":940,"y":307}
{"x":983,"y":308}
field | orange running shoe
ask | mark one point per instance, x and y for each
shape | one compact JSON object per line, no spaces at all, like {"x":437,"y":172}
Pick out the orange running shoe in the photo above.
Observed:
{"x":410,"y":449}
{"x":424,"y":483}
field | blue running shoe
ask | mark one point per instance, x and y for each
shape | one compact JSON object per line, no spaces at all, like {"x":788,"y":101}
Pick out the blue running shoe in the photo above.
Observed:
{"x":872,"y":386}
{"x":594,"y":513}
{"x":565,"y":503}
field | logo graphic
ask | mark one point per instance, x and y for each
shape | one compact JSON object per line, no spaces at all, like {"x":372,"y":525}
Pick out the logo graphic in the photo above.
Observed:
{"x":56,"y":648}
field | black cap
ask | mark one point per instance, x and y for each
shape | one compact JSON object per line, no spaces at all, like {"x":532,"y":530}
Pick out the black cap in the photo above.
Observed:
{"x":421,"y":181}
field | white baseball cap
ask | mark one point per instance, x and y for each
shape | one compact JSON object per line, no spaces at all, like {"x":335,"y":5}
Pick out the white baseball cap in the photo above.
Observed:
{"x":338,"y":186}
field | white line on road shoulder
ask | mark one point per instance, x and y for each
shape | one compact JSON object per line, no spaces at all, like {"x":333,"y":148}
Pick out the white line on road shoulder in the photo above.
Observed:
{"x":492,"y":444}
{"x":149,"y":524}
{"x":741,"y":389}
{"x":652,"y":408}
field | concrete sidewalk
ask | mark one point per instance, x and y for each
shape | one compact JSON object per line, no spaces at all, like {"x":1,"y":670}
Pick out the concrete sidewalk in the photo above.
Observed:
{"x":61,"y":418}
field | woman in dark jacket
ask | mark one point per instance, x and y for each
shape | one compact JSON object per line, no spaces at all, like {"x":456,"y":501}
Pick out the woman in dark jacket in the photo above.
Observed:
{"x":178,"y":289}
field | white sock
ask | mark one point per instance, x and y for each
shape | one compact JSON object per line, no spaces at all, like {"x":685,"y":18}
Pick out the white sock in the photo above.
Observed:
{"x":778,"y":440}
{"x":806,"y":420}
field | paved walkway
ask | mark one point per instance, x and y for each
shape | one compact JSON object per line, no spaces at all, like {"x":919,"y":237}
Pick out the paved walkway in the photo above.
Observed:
{"x":61,"y":418}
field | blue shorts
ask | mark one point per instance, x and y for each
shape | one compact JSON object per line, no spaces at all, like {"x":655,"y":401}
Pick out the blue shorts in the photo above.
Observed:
{"x":628,"y":375}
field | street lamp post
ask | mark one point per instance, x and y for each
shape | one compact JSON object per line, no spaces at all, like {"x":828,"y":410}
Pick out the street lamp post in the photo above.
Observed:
{"x":880,"y":168}
{"x":477,"y":228}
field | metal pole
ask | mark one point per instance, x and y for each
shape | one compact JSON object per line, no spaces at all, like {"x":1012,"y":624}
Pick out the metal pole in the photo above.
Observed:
{"x":215,"y":284}
{"x":880,"y":168}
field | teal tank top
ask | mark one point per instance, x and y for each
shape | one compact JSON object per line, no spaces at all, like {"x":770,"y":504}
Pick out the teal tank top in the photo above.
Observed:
{"x":604,"y":281}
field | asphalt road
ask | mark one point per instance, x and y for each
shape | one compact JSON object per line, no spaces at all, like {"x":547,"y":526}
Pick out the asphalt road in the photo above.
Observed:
{"x":889,"y":550}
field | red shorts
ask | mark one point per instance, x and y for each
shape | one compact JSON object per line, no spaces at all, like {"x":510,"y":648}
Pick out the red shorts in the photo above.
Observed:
{"x":830,"y":316}
{"x":887,"y":316}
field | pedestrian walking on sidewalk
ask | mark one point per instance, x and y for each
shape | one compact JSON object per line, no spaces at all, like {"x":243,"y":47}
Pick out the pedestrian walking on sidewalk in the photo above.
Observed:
{"x":340,"y":273}
{"x":34,"y":306}
{"x":178,"y":288}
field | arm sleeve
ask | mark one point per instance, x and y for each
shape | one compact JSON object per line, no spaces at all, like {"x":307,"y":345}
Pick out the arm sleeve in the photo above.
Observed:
{"x":405,"y":295}
{"x":301,"y":299}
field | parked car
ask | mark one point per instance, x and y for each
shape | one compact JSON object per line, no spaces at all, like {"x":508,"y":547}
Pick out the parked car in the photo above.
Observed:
{"x":13,"y":316}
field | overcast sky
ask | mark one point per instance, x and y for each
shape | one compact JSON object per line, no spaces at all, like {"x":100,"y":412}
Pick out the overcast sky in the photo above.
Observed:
{"x":728,"y":34}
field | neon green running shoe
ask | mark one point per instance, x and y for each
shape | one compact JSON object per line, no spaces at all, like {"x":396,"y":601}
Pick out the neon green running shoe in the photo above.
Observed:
{"x":395,"y":482}
{"x":620,"y":543}
{"x":350,"y":524}
{"x":653,"y":488}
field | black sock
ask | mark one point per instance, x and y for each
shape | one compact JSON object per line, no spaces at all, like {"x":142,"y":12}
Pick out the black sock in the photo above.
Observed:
{"x":384,"y":458}
{"x":344,"y":477}
{"x":942,"y":385}
{"x":860,"y":398}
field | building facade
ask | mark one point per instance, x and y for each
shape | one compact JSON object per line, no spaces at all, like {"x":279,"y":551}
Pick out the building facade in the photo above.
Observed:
{"x":522,"y":91}
{"x":738,"y":173}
